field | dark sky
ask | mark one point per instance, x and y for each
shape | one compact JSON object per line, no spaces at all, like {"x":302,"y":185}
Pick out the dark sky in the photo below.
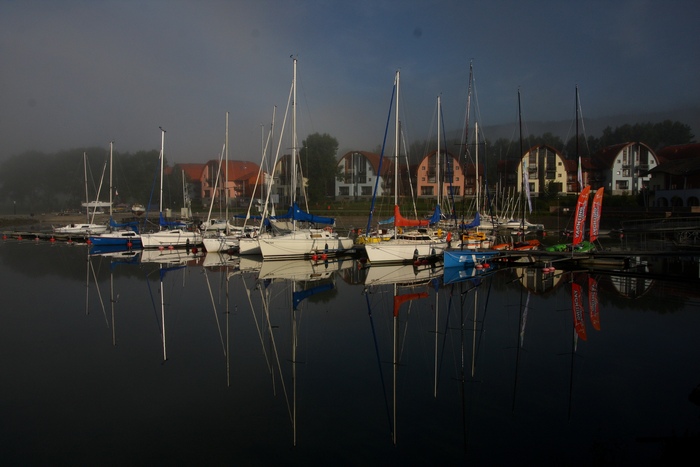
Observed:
{"x":81,"y":73}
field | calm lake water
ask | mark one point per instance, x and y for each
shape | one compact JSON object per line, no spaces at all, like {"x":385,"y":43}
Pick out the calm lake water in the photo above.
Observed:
{"x":127,"y":360}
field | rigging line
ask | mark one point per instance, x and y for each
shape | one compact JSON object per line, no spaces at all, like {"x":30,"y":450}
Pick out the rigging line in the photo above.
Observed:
{"x":410,"y":183}
{"x":306,"y":101}
{"x":449,"y":163}
{"x":381,"y":158}
{"x":258,"y":328}
{"x":277,"y":153}
{"x":376,"y":351}
{"x":483,"y":320}
{"x":445,"y":333}
{"x":583,"y":126}
{"x":429,"y":142}
{"x":277,"y":359}
{"x":99,"y":292}
{"x":216,"y":315}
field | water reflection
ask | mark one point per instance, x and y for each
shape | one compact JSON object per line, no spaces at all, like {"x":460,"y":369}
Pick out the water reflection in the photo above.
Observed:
{"x":244,"y":359}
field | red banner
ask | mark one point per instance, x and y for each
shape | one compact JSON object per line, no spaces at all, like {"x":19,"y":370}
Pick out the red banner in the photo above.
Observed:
{"x":580,"y":221}
{"x":596,"y":210}
{"x":593,"y":305}
{"x":577,"y":309}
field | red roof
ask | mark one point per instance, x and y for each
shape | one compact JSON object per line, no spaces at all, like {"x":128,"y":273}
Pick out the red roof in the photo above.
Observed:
{"x":192,"y":171}
{"x":681,"y":151}
{"x":237,"y":170}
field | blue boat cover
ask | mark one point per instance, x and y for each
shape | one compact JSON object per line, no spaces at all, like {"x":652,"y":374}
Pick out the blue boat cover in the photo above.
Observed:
{"x":295,"y":213}
{"x":475,"y":223}
{"x":124,"y":225}
{"x":171,"y":224}
{"x":303,"y":294}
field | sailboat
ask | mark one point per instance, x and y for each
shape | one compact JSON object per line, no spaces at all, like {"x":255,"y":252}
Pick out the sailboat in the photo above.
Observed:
{"x":408,"y":245}
{"x":177,"y":236}
{"x":89,"y":227}
{"x":218,"y":234}
{"x":120,"y":234}
{"x":248,"y":244}
{"x":474,"y":247}
{"x":300,"y":243}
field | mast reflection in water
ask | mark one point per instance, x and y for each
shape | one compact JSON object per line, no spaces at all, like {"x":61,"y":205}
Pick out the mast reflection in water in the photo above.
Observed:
{"x":107,"y":358}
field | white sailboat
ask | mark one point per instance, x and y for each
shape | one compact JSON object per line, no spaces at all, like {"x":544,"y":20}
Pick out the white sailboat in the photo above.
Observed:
{"x":118,"y":235}
{"x":299,"y":243}
{"x":89,"y":227}
{"x":174,"y":237}
{"x":405,"y":245}
{"x":218,"y":234}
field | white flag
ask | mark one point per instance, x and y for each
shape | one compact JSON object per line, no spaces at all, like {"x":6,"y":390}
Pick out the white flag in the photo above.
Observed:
{"x":580,"y":175}
{"x":526,"y":183}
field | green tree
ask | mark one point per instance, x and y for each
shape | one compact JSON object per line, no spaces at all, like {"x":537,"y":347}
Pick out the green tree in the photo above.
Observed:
{"x":655,"y":135}
{"x":318,"y":160}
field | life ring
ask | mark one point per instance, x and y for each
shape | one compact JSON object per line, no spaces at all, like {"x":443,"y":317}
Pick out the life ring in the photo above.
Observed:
{"x":399,"y":230}
{"x":328,"y":229}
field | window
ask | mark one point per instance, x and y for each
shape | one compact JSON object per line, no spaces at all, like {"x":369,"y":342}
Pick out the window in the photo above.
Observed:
{"x":344,"y":191}
{"x":367,"y":191}
{"x":426,"y":191}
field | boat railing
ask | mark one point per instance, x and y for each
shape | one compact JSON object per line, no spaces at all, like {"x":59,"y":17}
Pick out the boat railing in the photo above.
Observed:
{"x":661,"y":224}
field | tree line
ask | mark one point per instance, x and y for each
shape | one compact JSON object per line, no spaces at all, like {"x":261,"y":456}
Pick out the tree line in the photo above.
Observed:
{"x":39,"y":182}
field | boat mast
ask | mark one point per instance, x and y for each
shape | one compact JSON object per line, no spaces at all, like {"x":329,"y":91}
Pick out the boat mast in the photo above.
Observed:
{"x":523,"y":168}
{"x":396,"y":153}
{"x":578,"y":156}
{"x":476,"y":163}
{"x":162,"y":157}
{"x":396,"y":145}
{"x":87,"y":199}
{"x":294,"y":141}
{"x":226,"y":183}
{"x":111,"y":145}
{"x":437,"y":155}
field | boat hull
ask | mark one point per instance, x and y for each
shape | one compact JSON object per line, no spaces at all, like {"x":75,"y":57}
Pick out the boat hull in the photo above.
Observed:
{"x":125,"y":239}
{"x":304,"y":243}
{"x":171,"y":238}
{"x":402,"y":251}
{"x":82,"y":229}
{"x":457,"y":258}
{"x":221,"y":243}
{"x":248,"y":246}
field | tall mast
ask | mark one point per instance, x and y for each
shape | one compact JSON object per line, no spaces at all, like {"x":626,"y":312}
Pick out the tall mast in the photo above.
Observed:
{"x":578,"y":156}
{"x":226,"y":175}
{"x":437,"y":156}
{"x":162,"y":157}
{"x":87,"y":199}
{"x":294,"y":140}
{"x":524,"y":168}
{"x":111,"y":145}
{"x":396,"y":145}
{"x":476,"y":157}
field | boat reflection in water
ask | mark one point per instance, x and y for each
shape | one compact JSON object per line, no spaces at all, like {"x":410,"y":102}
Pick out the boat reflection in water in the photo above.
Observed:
{"x":398,"y":364}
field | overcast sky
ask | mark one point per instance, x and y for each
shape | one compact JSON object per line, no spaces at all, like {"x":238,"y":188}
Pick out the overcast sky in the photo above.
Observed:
{"x":81,"y":73}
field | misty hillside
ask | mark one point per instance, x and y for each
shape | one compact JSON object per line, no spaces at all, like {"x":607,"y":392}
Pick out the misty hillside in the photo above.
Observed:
{"x":590,"y":127}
